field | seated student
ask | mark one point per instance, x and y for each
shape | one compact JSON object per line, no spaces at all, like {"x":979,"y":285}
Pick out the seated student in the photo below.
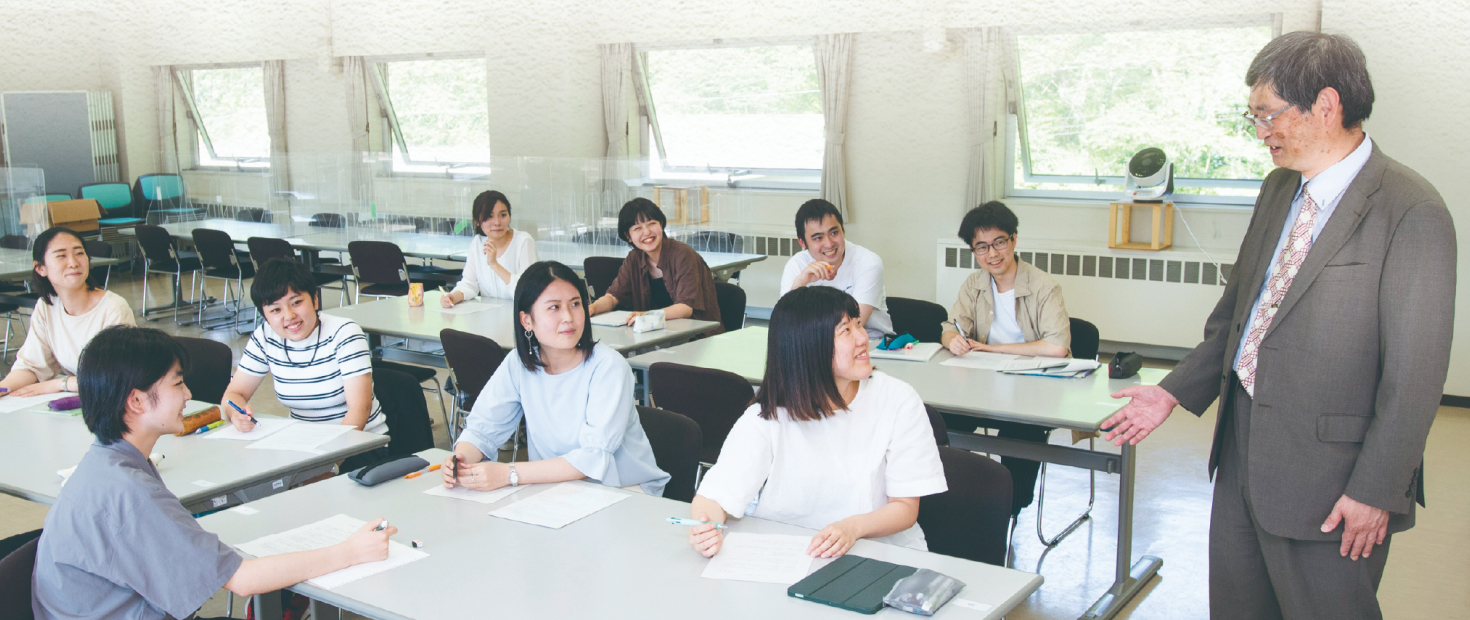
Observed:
{"x":659,"y":273}
{"x":117,"y":543}
{"x":498,"y":254}
{"x":1007,"y":307}
{"x":829,"y":444}
{"x":320,"y":364}
{"x":576,"y":396}
{"x":830,"y":260}
{"x":71,"y":310}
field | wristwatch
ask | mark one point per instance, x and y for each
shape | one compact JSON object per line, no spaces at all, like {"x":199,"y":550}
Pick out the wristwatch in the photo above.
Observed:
{"x":515,"y":479}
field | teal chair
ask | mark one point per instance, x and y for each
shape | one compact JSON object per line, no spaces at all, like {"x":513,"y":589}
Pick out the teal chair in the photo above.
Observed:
{"x":48,"y":198}
{"x":116,"y":199}
{"x":163,"y":193}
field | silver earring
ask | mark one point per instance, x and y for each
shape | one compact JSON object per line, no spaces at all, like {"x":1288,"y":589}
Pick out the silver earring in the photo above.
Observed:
{"x":530,"y":335}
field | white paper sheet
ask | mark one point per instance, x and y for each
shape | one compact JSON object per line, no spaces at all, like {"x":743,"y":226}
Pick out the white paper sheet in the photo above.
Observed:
{"x":326,"y":533}
{"x":469,"y":307}
{"x":767,"y":558}
{"x":616,"y":318}
{"x":969,"y":604}
{"x":12,"y":404}
{"x":263,"y":428}
{"x":301,"y":437}
{"x":560,"y":505}
{"x":980,"y":360}
{"x":484,"y":497}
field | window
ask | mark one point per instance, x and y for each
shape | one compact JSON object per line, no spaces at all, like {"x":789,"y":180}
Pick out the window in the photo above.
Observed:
{"x":228,"y":108}
{"x":1090,"y":100}
{"x":437,"y":114}
{"x":727,"y":110}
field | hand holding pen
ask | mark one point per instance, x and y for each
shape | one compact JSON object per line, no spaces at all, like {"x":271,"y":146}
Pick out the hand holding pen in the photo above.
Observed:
{"x":245,"y":422}
{"x":961,"y":344}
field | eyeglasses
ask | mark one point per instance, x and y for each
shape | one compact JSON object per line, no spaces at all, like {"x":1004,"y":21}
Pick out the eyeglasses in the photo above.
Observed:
{"x":1000,"y":245}
{"x":1264,"y":122}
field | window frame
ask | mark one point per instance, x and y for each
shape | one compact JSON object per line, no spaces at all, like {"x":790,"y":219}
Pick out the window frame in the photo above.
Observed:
{"x":245,"y":165}
{"x":392,"y":134}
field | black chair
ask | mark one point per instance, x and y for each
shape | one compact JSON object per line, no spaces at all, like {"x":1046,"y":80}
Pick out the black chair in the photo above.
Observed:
{"x":472,"y":359}
{"x":161,"y":255}
{"x":918,"y":318}
{"x":99,"y":249}
{"x":676,"y":445}
{"x":16,"y":569}
{"x":936,"y":422}
{"x":713,"y":398}
{"x":422,"y":374}
{"x":381,"y":270}
{"x":209,"y":368}
{"x":409,"y":429}
{"x":328,"y":220}
{"x":972,"y":519}
{"x":732,"y":305}
{"x":600,"y":272}
{"x":15,"y":242}
{"x":1085,"y":339}
{"x":220,"y":260}
{"x":253,"y":214}
{"x":263,"y":249}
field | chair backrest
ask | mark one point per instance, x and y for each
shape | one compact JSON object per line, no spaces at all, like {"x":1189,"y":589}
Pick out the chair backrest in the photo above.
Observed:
{"x":15,"y":581}
{"x":161,"y":186}
{"x":918,"y":318}
{"x":1085,"y":338}
{"x":716,"y":241}
{"x":402,"y":399}
{"x":157,"y":243}
{"x":15,"y":242}
{"x":732,"y":305}
{"x":472,"y":358}
{"x":216,"y":249}
{"x":600,"y":272}
{"x":713,"y":398}
{"x":676,"y":442}
{"x":936,"y":422}
{"x":265,"y":248}
{"x":972,"y":519}
{"x":328,"y":220}
{"x":115,"y":195}
{"x":209,"y":368}
{"x":96,"y":248}
{"x":252,"y":214}
{"x":378,"y":262}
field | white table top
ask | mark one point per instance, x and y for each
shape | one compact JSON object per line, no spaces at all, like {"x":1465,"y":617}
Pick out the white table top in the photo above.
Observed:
{"x":624,"y":561}
{"x":1075,"y":404}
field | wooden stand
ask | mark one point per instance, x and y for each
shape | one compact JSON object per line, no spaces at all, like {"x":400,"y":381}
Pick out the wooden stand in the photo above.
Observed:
{"x":679,"y":213}
{"x":1119,"y":227}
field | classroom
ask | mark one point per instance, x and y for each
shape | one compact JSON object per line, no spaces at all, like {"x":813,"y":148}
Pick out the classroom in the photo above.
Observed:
{"x":564,"y":309}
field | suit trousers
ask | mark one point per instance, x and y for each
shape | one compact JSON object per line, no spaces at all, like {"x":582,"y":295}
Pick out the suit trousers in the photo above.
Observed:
{"x":1255,"y":575}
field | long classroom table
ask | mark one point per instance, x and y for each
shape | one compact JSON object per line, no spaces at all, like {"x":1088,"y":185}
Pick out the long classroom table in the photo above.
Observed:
{"x":1073,"y":404}
{"x":623,"y":561}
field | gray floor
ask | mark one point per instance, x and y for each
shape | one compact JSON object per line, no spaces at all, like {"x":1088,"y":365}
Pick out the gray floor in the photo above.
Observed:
{"x":1426,"y":574}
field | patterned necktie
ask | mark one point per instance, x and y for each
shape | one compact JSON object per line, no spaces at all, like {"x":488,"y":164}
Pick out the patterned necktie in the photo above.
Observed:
{"x":1290,"y":262}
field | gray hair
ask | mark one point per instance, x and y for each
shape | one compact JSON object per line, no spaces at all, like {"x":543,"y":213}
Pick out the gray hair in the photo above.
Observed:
{"x":1298,"y":65}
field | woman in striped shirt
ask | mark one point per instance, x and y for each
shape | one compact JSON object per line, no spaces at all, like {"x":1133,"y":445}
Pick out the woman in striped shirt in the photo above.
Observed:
{"x":320,"y":364}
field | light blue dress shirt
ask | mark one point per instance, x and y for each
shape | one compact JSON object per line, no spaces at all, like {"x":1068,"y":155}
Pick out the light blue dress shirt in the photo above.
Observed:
{"x":585,"y":415}
{"x":1327,"y":189}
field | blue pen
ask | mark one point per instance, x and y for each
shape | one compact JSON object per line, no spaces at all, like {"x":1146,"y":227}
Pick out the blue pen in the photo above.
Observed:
{"x":242,"y":412}
{"x":692,"y":522}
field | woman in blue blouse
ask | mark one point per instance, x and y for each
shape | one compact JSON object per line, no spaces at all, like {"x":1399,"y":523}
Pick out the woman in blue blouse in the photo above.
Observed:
{"x":576,"y":396}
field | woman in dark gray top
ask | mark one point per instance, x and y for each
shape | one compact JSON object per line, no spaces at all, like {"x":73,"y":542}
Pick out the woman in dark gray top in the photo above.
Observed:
{"x":659,"y":273}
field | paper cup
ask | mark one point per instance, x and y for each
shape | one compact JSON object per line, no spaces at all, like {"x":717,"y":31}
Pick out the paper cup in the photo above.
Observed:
{"x":415,"y":294}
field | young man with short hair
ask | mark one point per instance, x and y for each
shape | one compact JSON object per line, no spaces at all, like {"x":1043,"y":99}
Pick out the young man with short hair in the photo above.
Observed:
{"x":830,"y":260}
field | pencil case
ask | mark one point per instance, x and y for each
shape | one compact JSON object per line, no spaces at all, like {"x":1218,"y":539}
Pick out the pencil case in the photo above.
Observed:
{"x":65,"y":403}
{"x":373,"y":475}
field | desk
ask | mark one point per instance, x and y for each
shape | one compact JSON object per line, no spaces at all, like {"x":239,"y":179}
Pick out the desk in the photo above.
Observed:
{"x":624,"y":561}
{"x":1074,"y":404}
{"x":37,"y":445}
{"x":722,"y":264}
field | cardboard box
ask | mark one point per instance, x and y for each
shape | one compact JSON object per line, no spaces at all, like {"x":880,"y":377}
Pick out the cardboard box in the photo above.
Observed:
{"x":79,"y":215}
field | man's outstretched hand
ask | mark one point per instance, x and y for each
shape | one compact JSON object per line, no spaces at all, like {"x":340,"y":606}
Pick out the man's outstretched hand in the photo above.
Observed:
{"x":1151,"y":405}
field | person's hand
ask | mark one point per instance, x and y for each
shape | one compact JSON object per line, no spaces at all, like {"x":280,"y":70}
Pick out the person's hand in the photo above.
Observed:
{"x":446,"y":471}
{"x":242,"y":423}
{"x":45,"y":387}
{"x":367,"y":545}
{"x":706,"y":538}
{"x":1363,"y":526}
{"x":631,"y":317}
{"x":490,"y":251}
{"x":960,"y":345}
{"x":484,"y":476}
{"x":834,"y":540}
{"x":1151,"y":405}
{"x":447,"y":300}
{"x":817,"y":270}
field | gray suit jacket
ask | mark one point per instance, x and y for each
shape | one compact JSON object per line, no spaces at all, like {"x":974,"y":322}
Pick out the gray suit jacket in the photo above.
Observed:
{"x":1351,"y":371}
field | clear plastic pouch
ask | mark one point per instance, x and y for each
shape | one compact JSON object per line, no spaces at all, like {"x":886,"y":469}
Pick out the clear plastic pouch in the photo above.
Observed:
{"x":923,"y":592}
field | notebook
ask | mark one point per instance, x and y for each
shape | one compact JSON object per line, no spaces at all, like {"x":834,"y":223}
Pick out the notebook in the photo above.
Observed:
{"x":852,"y":583}
{"x":922,"y":352}
{"x":616,"y":318}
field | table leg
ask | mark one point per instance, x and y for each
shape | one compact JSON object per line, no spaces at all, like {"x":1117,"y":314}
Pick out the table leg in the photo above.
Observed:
{"x":267,"y":606}
{"x":1129,"y":578}
{"x":324,"y":611}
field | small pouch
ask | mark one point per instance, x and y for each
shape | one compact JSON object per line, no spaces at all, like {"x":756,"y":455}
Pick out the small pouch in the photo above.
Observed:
{"x":65,"y":403}
{"x":1125,"y":364}
{"x":652,"y":320}
{"x":896,"y":343}
{"x":373,"y":475}
{"x":923,"y":592}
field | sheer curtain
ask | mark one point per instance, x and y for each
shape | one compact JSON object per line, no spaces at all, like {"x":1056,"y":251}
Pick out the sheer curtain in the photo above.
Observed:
{"x":354,"y":71}
{"x":617,"y":78}
{"x":834,"y":75}
{"x":275,"y":121}
{"x":168,"y":144}
{"x":988,"y":85}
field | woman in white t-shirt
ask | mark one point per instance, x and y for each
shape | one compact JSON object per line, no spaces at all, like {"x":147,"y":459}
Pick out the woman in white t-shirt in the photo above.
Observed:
{"x":497,"y":256}
{"x":830,"y":444}
{"x":70,"y":311}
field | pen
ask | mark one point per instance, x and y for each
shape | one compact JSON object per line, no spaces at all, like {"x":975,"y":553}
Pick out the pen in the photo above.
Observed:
{"x":209,"y":427}
{"x":420,"y":473}
{"x":381,"y":526}
{"x":691,"y":522}
{"x":456,"y":467}
{"x":242,"y":412}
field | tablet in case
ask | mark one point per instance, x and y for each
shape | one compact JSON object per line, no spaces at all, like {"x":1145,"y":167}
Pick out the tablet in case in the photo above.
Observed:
{"x":852,"y":583}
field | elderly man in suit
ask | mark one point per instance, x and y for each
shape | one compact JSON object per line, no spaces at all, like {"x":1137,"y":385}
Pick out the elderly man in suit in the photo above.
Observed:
{"x":1328,"y":350}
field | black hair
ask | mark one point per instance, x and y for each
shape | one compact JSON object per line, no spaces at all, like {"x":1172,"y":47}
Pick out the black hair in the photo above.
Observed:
{"x":41,"y":285}
{"x":1298,"y":65}
{"x":815,"y":210}
{"x":994,"y":214}
{"x":118,"y":360}
{"x":484,"y":207}
{"x":799,"y":350}
{"x":533,"y":282}
{"x":279,"y":277}
{"x":639,"y":210}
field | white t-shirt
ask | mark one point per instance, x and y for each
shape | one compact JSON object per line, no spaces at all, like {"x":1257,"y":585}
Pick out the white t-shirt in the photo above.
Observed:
{"x":55,"y":339}
{"x":1004,"y":329}
{"x":308,"y":375}
{"x":816,"y":473}
{"x":861,"y":275}
{"x":480,"y":279}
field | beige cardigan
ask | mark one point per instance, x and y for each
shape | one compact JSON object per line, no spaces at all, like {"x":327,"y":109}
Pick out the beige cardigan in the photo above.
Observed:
{"x":1039,"y":308}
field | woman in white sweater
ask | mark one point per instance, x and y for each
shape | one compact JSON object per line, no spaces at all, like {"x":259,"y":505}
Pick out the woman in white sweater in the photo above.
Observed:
{"x":70,"y":311}
{"x":498,"y":254}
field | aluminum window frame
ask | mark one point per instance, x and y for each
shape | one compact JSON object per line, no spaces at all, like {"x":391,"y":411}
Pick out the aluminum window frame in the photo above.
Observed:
{"x":183,"y":80}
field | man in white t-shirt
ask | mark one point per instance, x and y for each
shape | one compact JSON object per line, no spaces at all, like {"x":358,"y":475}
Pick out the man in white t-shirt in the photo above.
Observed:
{"x":830,"y":260}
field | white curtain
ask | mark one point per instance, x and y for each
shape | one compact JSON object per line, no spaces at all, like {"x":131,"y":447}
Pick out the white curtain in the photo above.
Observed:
{"x":168,"y":145}
{"x":834,"y":75}
{"x":354,"y":71}
{"x":988,"y":82}
{"x":275,"y":120}
{"x":617,"y":78}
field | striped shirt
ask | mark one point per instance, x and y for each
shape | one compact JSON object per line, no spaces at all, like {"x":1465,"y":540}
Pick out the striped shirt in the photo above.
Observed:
{"x":308,"y":375}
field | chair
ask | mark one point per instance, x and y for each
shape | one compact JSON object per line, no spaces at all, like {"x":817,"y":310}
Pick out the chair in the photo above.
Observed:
{"x":381,"y":270}
{"x":421,"y":374}
{"x":328,"y":220}
{"x":161,"y":255}
{"x":209,"y":368}
{"x":163,"y":193}
{"x":936,"y":422}
{"x":409,"y":429}
{"x":99,"y":249}
{"x":676,"y":445}
{"x":252,"y":214}
{"x":600,"y":272}
{"x":1085,"y":340}
{"x":263,"y":249}
{"x":732,"y":305}
{"x":220,"y":260}
{"x":972,"y":519}
{"x":713,"y":398}
{"x":15,"y":581}
{"x":15,"y":242}
{"x":921,"y":319}
{"x":472,"y":359}
{"x":116,"y":200}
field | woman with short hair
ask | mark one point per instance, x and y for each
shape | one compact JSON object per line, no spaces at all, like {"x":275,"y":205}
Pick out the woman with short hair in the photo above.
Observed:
{"x":659,"y":273}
